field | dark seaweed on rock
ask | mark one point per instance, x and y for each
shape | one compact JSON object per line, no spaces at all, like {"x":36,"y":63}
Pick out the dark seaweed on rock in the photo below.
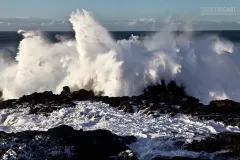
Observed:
{"x":65,"y":143}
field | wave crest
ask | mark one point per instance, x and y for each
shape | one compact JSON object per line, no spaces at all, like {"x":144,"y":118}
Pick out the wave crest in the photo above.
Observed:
{"x":123,"y":68}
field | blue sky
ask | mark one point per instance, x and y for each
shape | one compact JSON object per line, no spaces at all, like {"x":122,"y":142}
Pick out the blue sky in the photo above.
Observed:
{"x":118,"y":10}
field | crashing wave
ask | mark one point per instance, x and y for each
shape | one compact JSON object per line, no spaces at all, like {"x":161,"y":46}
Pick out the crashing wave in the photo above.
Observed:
{"x":121,"y":68}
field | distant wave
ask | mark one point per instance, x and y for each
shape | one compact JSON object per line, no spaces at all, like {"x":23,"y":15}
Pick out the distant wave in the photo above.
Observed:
{"x":208,"y":66}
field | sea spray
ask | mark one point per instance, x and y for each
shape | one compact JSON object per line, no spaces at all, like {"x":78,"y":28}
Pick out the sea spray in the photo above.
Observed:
{"x":207,"y":66}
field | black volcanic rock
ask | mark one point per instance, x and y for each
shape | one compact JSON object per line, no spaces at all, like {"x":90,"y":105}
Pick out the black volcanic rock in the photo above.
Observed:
{"x":126,"y":107}
{"x":46,"y":97}
{"x":8,"y":104}
{"x":172,"y":99}
{"x":226,"y":111}
{"x":172,"y":88}
{"x":65,"y":143}
{"x":224,"y":107}
{"x":154,"y":95}
{"x":82,"y":95}
{"x":175,"y":89}
{"x":66,"y":90}
{"x":156,"y":100}
{"x":1,"y":96}
{"x":189,"y":105}
{"x":227,"y":141}
{"x":45,"y":102}
{"x":225,"y":146}
{"x":112,"y":101}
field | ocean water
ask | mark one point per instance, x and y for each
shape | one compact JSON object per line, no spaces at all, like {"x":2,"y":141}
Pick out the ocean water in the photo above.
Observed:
{"x":119,"y":63}
{"x":12,"y":38}
{"x":155,"y":136}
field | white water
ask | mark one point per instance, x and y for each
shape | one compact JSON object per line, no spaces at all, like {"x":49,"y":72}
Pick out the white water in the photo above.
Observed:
{"x":207,"y":66}
{"x":156,"y":136}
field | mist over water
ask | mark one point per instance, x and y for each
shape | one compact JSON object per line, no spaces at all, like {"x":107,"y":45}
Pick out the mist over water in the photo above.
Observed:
{"x":208,"y":66}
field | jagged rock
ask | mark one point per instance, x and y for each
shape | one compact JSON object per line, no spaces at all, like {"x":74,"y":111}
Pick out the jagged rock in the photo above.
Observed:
{"x":99,"y":144}
{"x":82,"y":95}
{"x":44,"y":98}
{"x":171,"y":100}
{"x":224,"y":107}
{"x":226,"y":111}
{"x":159,"y":99}
{"x":65,"y":143}
{"x":190,"y":104}
{"x":224,"y":103}
{"x":172,"y":88}
{"x":126,"y":107}
{"x":8,"y":104}
{"x":155,"y":90}
{"x":227,"y":141}
{"x":170,"y":95}
{"x":66,"y":90}
{"x":1,"y":96}
{"x":112,"y":101}
{"x":45,"y":102}
{"x":175,"y":89}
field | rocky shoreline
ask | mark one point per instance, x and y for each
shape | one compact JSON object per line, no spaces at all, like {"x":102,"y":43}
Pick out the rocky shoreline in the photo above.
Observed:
{"x":155,"y":101}
{"x":65,"y":143}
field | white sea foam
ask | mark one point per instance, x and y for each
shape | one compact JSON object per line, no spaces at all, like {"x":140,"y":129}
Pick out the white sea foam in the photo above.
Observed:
{"x":156,"y":136}
{"x":207,"y":66}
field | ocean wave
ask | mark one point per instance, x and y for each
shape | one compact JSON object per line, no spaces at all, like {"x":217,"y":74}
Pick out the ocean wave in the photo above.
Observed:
{"x":207,"y":66}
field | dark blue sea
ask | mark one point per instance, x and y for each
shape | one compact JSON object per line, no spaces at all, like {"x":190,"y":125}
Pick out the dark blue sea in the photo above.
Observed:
{"x":13,"y":38}
{"x":9,"y":41}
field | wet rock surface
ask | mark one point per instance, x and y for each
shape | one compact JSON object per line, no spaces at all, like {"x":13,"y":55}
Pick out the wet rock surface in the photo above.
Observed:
{"x":65,"y":143}
{"x":172,"y":99}
{"x":47,"y":102}
{"x":156,"y":100}
{"x":222,"y":146}
{"x":228,"y":142}
{"x":1,"y":96}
